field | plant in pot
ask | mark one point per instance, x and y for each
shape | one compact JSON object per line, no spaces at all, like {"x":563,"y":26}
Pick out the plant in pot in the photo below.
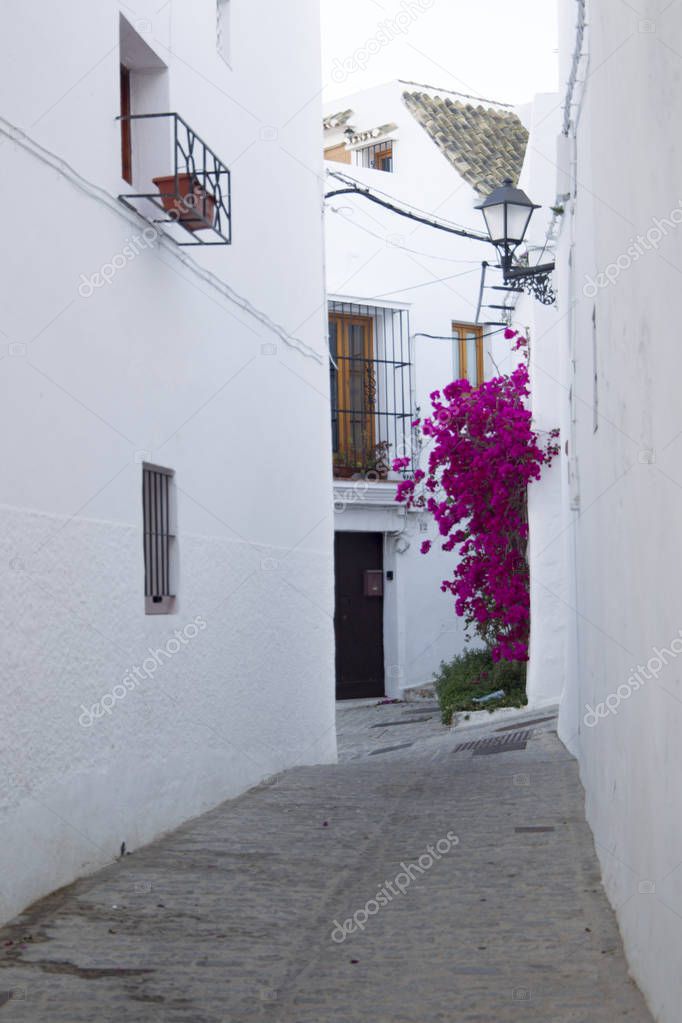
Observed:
{"x":343,"y":471}
{"x":376,"y":462}
{"x":186,"y":199}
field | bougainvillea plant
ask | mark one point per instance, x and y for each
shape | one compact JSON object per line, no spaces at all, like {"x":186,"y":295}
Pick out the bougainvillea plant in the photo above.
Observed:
{"x":483,"y":455}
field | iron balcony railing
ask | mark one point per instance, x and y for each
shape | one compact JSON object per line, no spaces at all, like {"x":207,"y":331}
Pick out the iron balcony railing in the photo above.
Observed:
{"x":371,"y":389}
{"x":192,"y":189}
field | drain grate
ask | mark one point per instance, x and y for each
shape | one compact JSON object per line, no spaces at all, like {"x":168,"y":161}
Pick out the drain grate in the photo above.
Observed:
{"x":536,"y":830}
{"x":535,"y":721}
{"x":496,"y":744}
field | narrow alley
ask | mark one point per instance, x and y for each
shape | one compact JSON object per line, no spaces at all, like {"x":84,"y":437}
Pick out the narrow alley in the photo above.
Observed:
{"x":265,"y":909}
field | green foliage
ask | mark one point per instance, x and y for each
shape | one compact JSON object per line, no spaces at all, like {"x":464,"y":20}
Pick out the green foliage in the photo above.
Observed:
{"x":474,"y":674}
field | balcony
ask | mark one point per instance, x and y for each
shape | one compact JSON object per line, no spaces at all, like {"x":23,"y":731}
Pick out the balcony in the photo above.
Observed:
{"x":371,"y":390}
{"x":181,"y":178}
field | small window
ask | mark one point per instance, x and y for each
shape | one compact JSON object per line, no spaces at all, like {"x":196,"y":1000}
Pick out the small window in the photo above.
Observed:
{"x":468,"y":352}
{"x":126,"y":128}
{"x":338,"y":154}
{"x":353,"y":389}
{"x":378,"y":157}
{"x":223,"y":30}
{"x":159,"y":539}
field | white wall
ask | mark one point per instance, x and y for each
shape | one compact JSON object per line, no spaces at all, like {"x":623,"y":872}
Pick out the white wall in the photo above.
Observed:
{"x":165,"y":364}
{"x":373,"y":254}
{"x":628,"y":559}
{"x":547,"y":498}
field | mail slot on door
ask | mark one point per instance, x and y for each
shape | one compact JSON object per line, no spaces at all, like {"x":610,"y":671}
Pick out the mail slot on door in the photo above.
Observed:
{"x":373,"y":582}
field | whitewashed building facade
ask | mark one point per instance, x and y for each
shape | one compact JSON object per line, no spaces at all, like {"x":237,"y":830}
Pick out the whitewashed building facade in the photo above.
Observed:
{"x":406,"y":316}
{"x":605,"y":550}
{"x":167,"y":527}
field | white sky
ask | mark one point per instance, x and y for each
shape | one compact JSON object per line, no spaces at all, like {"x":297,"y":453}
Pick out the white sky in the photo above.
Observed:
{"x":503,"y":50}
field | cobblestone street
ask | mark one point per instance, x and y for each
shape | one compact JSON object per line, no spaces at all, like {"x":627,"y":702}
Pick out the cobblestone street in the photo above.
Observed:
{"x":230,"y":918}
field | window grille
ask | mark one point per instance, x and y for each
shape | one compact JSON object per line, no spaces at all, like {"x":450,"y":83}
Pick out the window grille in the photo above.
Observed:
{"x":371,"y":389}
{"x":159,"y":538}
{"x":378,"y":157}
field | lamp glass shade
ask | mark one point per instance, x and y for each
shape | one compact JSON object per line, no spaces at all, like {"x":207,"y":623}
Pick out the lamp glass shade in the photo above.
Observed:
{"x":494,"y":221}
{"x":507,"y":212}
{"x":518,"y":219}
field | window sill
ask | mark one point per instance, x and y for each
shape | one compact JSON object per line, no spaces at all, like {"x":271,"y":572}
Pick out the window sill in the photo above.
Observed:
{"x":164,"y":606}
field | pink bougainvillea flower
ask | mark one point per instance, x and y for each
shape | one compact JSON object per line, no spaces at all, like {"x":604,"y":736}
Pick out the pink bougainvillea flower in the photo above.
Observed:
{"x":483,"y":455}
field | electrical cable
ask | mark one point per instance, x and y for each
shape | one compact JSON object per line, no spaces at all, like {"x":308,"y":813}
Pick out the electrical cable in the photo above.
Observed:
{"x":62,"y":167}
{"x":424,"y":284}
{"x":355,"y":188}
{"x":454,"y":92}
{"x":403,"y":248}
{"x":348,"y":179}
{"x":446,"y":337}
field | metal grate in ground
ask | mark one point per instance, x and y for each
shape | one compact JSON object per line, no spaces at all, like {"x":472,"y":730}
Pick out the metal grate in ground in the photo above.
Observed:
{"x":496,"y":743}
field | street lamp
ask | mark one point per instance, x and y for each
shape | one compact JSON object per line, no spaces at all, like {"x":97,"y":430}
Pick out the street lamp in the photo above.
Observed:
{"x":507,"y":212}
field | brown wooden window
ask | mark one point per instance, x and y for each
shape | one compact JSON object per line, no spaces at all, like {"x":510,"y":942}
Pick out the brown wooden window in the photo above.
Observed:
{"x":339,"y":154}
{"x":469,"y":363}
{"x":126,"y":136}
{"x":353,"y":390}
{"x":384,"y":159}
{"x":377,"y":157}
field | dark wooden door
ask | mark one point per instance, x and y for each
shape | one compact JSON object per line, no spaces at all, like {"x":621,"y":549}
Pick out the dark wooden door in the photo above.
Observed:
{"x":359,"y":619}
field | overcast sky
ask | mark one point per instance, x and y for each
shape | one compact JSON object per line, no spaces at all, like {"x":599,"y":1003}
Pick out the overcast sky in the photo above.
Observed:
{"x":497,"y":49}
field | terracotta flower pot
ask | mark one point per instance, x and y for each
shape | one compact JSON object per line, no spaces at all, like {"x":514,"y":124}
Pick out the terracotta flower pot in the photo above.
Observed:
{"x":187,"y":197}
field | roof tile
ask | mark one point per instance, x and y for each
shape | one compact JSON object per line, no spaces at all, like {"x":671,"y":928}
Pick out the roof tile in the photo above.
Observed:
{"x":483,"y":144}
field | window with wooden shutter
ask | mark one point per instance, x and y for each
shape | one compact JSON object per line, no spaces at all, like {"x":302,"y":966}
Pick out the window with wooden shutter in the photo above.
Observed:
{"x":353,"y":389}
{"x":468,"y":354}
{"x":158,"y":495}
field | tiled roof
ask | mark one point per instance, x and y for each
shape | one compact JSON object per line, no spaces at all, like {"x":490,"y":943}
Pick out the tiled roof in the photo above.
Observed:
{"x":484,"y":144}
{"x":338,"y":120}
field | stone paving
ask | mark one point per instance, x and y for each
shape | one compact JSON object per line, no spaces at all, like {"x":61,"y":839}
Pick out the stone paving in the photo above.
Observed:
{"x":230,"y":919}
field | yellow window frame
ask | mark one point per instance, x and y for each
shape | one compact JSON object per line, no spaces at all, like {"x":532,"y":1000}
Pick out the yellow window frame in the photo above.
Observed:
{"x":461,"y":333}
{"x":350,"y":418}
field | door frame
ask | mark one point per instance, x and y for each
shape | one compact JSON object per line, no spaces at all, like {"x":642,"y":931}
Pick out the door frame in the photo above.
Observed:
{"x":381,"y":548}
{"x":364,"y":520}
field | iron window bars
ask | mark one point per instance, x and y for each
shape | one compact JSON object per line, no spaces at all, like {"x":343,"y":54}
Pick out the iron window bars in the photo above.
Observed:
{"x":197,"y":195}
{"x":371,"y":389}
{"x":159,"y":538}
{"x":377,"y":157}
